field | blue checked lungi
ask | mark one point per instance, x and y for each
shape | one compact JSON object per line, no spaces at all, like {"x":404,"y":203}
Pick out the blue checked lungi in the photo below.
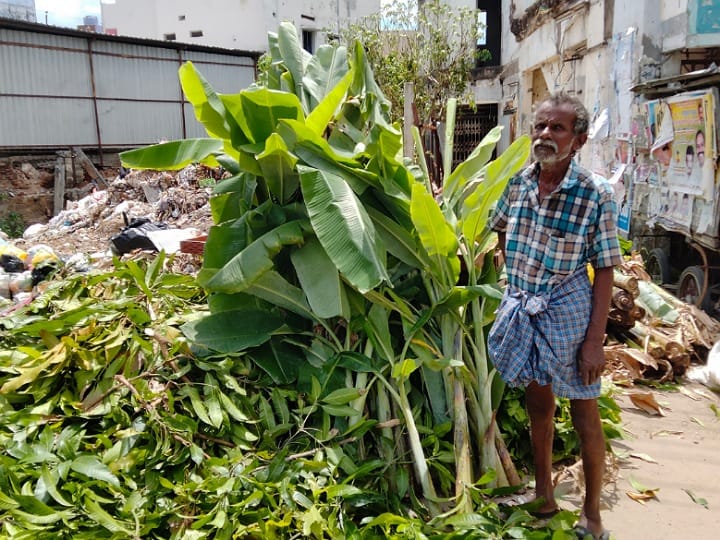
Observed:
{"x":538,"y":337}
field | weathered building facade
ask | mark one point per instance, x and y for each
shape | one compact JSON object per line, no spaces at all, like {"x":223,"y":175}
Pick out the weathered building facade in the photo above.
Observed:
{"x":633,"y":63}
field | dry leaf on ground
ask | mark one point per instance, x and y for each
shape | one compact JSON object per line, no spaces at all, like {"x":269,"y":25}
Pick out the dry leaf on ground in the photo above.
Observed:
{"x":646,"y":401}
{"x":642,"y":493}
{"x":643,"y":457}
{"x":689,"y":393}
{"x":665,"y":432}
{"x":696,"y":499}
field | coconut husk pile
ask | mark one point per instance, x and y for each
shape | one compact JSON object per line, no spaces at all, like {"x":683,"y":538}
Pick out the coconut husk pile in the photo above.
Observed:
{"x":651,"y":333}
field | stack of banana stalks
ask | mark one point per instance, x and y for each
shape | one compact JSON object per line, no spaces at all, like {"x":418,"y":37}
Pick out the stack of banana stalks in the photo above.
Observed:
{"x":652,"y":335}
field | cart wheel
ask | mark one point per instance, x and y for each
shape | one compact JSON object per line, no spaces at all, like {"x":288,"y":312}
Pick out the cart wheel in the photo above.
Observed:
{"x":658,"y":266}
{"x":690,"y":287}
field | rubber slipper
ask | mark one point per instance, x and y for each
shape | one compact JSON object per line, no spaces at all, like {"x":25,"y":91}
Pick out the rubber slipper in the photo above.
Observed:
{"x":529,"y":508}
{"x":546,"y":514}
{"x":583,"y":533}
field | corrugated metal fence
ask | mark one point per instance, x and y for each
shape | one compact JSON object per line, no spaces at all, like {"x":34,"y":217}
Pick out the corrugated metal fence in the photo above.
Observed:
{"x":62,"y":88}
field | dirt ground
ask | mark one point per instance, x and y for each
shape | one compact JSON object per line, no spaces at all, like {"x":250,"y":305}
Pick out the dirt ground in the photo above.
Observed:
{"x":675,"y":455}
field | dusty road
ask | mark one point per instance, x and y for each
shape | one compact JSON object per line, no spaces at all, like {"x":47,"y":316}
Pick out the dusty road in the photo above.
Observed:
{"x":685,"y":447}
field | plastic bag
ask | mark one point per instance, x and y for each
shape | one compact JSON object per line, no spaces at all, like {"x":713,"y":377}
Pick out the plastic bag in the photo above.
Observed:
{"x":134,"y":236}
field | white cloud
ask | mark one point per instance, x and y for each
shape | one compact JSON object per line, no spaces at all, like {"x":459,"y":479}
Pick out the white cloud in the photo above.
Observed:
{"x":66,"y":12}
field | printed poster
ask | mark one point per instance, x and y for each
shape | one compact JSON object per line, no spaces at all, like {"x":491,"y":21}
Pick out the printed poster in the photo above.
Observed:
{"x":681,"y":130}
{"x":689,"y":171}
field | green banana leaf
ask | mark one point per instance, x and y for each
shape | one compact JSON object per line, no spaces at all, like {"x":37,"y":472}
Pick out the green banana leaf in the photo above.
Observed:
{"x":320,"y":281}
{"x":278,"y":168}
{"x":384,"y":149}
{"x":476,"y":207}
{"x":344,"y":228}
{"x":274,"y":289}
{"x":294,"y":57}
{"x":462,"y":296}
{"x":279,"y":360}
{"x":248,"y":265}
{"x":258,"y":110}
{"x":222,"y":244}
{"x":471,"y":167}
{"x":232,"y":331}
{"x":375,"y":107}
{"x":232,"y":197}
{"x":400,"y":242}
{"x":209,"y":108}
{"x":436,"y":235}
{"x":324,"y":112}
{"x":297,"y":133}
{"x":324,"y":72}
{"x":173,"y":155}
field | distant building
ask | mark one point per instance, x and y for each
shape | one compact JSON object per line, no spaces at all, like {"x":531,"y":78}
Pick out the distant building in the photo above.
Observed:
{"x":21,"y":10}
{"x":90,"y":24}
{"x":231,"y":24}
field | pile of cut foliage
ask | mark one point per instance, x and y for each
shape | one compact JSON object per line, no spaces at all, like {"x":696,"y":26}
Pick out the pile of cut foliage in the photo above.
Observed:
{"x":112,"y":428}
{"x":325,"y":377}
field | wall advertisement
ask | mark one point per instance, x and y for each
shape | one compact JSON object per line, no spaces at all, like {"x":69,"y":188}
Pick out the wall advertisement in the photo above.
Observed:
{"x":682,"y":132}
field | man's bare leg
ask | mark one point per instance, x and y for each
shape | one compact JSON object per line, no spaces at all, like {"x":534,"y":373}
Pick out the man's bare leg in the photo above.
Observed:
{"x":586,"y":420}
{"x":541,"y":409}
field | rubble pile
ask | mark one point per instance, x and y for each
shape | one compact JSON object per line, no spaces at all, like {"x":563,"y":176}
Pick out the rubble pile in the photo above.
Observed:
{"x":174,"y":203}
{"x":179,"y":199}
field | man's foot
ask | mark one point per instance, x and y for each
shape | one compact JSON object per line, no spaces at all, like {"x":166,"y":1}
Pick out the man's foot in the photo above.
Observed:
{"x":545,"y":514}
{"x":587,"y":529}
{"x":583,"y":533}
{"x":537,"y":507}
{"x":543,"y":508}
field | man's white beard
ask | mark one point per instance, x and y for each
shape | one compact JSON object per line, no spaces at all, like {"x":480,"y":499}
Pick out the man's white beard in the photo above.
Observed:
{"x":546,"y":152}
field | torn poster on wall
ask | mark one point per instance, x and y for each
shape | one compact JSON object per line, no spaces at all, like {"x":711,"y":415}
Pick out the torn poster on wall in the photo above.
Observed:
{"x":683,"y":128}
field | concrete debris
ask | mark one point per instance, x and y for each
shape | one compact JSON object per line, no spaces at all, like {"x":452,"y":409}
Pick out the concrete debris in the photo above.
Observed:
{"x":80,"y":234}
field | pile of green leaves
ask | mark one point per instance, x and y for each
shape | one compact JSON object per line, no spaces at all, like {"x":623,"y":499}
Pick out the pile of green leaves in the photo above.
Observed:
{"x":111,"y":428}
{"x":333,"y":265}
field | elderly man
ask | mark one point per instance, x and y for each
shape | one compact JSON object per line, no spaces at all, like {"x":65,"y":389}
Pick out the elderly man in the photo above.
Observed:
{"x":552,"y":220}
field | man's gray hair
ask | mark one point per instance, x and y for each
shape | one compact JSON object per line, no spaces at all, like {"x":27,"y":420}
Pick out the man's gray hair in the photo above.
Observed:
{"x":582,"y":118}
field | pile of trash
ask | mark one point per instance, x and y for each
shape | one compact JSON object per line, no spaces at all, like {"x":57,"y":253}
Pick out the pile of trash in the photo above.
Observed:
{"x":138,"y":211}
{"x":177,"y":199}
{"x":21,"y":270}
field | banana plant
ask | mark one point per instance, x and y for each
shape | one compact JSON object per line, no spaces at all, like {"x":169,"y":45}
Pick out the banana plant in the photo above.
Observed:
{"x":454,"y":229}
{"x":330,"y":264}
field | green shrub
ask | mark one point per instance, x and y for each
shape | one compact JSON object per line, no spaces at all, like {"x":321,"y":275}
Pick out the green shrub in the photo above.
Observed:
{"x":13,"y":225}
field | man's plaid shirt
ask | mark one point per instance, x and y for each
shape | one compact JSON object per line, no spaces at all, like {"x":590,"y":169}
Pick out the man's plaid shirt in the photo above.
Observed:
{"x":549,"y":240}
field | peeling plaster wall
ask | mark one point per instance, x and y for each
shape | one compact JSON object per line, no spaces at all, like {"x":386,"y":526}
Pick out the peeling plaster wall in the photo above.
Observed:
{"x":596,"y":52}
{"x":674,"y":32}
{"x":671,"y":8}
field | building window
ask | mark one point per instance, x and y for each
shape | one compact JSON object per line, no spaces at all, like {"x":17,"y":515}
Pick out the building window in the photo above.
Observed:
{"x":170,"y":37}
{"x":482,"y":28}
{"x":308,"y":39}
{"x":489,"y":34}
{"x":196,"y":33}
{"x":181,"y":17}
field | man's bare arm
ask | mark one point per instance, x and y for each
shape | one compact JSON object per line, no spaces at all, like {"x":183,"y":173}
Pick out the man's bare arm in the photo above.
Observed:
{"x":592,"y":356}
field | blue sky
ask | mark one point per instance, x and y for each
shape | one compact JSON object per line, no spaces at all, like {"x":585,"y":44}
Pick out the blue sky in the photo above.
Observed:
{"x":66,"y":12}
